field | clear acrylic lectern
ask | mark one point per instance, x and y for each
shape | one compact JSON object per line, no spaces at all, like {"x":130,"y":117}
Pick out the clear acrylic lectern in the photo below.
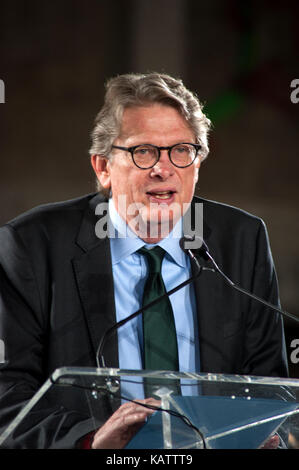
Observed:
{"x":195,"y":411}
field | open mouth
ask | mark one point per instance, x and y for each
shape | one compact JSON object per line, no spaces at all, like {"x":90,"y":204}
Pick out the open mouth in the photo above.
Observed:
{"x":162,"y":195}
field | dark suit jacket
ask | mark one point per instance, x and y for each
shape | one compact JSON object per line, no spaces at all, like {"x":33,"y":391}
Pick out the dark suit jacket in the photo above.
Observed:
{"x":57,"y":300}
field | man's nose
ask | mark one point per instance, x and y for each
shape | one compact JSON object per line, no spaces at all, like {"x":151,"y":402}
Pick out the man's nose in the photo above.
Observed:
{"x":164,"y":168}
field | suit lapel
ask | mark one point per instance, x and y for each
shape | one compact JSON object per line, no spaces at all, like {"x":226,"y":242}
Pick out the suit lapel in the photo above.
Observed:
{"x":93,"y":273}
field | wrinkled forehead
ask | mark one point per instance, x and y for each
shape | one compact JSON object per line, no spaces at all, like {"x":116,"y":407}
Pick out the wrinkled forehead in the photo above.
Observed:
{"x":154,"y":119}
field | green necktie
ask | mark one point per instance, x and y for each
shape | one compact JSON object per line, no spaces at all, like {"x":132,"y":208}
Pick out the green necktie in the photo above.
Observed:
{"x":160,"y":342}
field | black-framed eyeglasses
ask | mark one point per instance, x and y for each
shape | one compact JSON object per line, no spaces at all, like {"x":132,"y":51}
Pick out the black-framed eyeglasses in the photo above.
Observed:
{"x":146,"y":156}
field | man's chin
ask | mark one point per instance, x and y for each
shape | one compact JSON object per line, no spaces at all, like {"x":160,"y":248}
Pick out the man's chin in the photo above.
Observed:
{"x":153,"y":229}
{"x":155,"y":221}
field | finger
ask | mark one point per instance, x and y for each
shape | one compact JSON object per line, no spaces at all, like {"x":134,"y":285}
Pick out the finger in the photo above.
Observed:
{"x":123,"y":424}
{"x":126,"y":415}
{"x":133,"y":418}
{"x":117,"y":432}
{"x":149,"y":401}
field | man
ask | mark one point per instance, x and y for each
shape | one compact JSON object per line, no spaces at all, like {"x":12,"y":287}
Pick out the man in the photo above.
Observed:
{"x":64,"y":282}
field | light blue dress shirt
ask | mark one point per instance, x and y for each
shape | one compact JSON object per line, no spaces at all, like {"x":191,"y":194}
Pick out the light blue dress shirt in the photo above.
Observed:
{"x":130,"y":273}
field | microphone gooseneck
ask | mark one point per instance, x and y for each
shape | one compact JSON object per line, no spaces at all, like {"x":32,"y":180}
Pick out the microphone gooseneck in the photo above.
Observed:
{"x":204,"y":249}
{"x":183,"y":241}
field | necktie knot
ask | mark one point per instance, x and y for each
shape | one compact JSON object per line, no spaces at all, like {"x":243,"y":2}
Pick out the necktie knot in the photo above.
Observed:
{"x":154,"y":258}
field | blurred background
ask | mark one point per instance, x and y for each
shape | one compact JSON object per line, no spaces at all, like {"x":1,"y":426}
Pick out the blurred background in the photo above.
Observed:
{"x":240,"y":58}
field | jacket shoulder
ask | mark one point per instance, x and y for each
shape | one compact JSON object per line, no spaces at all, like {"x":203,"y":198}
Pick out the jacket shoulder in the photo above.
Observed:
{"x":54,"y":224}
{"x":222,"y":212}
{"x":47,"y":213}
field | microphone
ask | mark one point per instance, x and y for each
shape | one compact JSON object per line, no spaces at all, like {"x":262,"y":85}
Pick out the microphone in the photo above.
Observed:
{"x":184,"y":246}
{"x":204,"y":251}
{"x":99,"y":353}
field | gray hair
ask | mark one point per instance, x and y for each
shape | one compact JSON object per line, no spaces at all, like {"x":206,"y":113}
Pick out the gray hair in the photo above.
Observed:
{"x":130,"y":90}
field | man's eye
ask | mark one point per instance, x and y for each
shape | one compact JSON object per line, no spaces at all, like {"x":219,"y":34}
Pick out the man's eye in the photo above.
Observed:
{"x":142,"y":151}
{"x":181,"y":149}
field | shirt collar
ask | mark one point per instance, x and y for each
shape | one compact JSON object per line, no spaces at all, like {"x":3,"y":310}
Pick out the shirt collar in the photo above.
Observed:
{"x":124,"y":242}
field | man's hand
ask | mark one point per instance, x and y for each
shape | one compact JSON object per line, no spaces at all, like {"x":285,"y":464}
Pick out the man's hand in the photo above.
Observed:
{"x":123,"y":425}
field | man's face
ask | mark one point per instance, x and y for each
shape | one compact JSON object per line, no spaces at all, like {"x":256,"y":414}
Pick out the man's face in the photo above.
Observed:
{"x":162,"y":192}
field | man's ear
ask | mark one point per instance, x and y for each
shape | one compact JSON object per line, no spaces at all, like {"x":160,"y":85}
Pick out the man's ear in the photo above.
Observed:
{"x":101,"y":166}
{"x":197,"y":164}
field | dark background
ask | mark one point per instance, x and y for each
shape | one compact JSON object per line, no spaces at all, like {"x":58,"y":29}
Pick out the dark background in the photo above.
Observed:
{"x":238,"y":56}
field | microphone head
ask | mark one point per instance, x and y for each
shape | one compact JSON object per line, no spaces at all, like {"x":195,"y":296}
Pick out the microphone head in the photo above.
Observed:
{"x":194,"y":242}
{"x":183,"y":242}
